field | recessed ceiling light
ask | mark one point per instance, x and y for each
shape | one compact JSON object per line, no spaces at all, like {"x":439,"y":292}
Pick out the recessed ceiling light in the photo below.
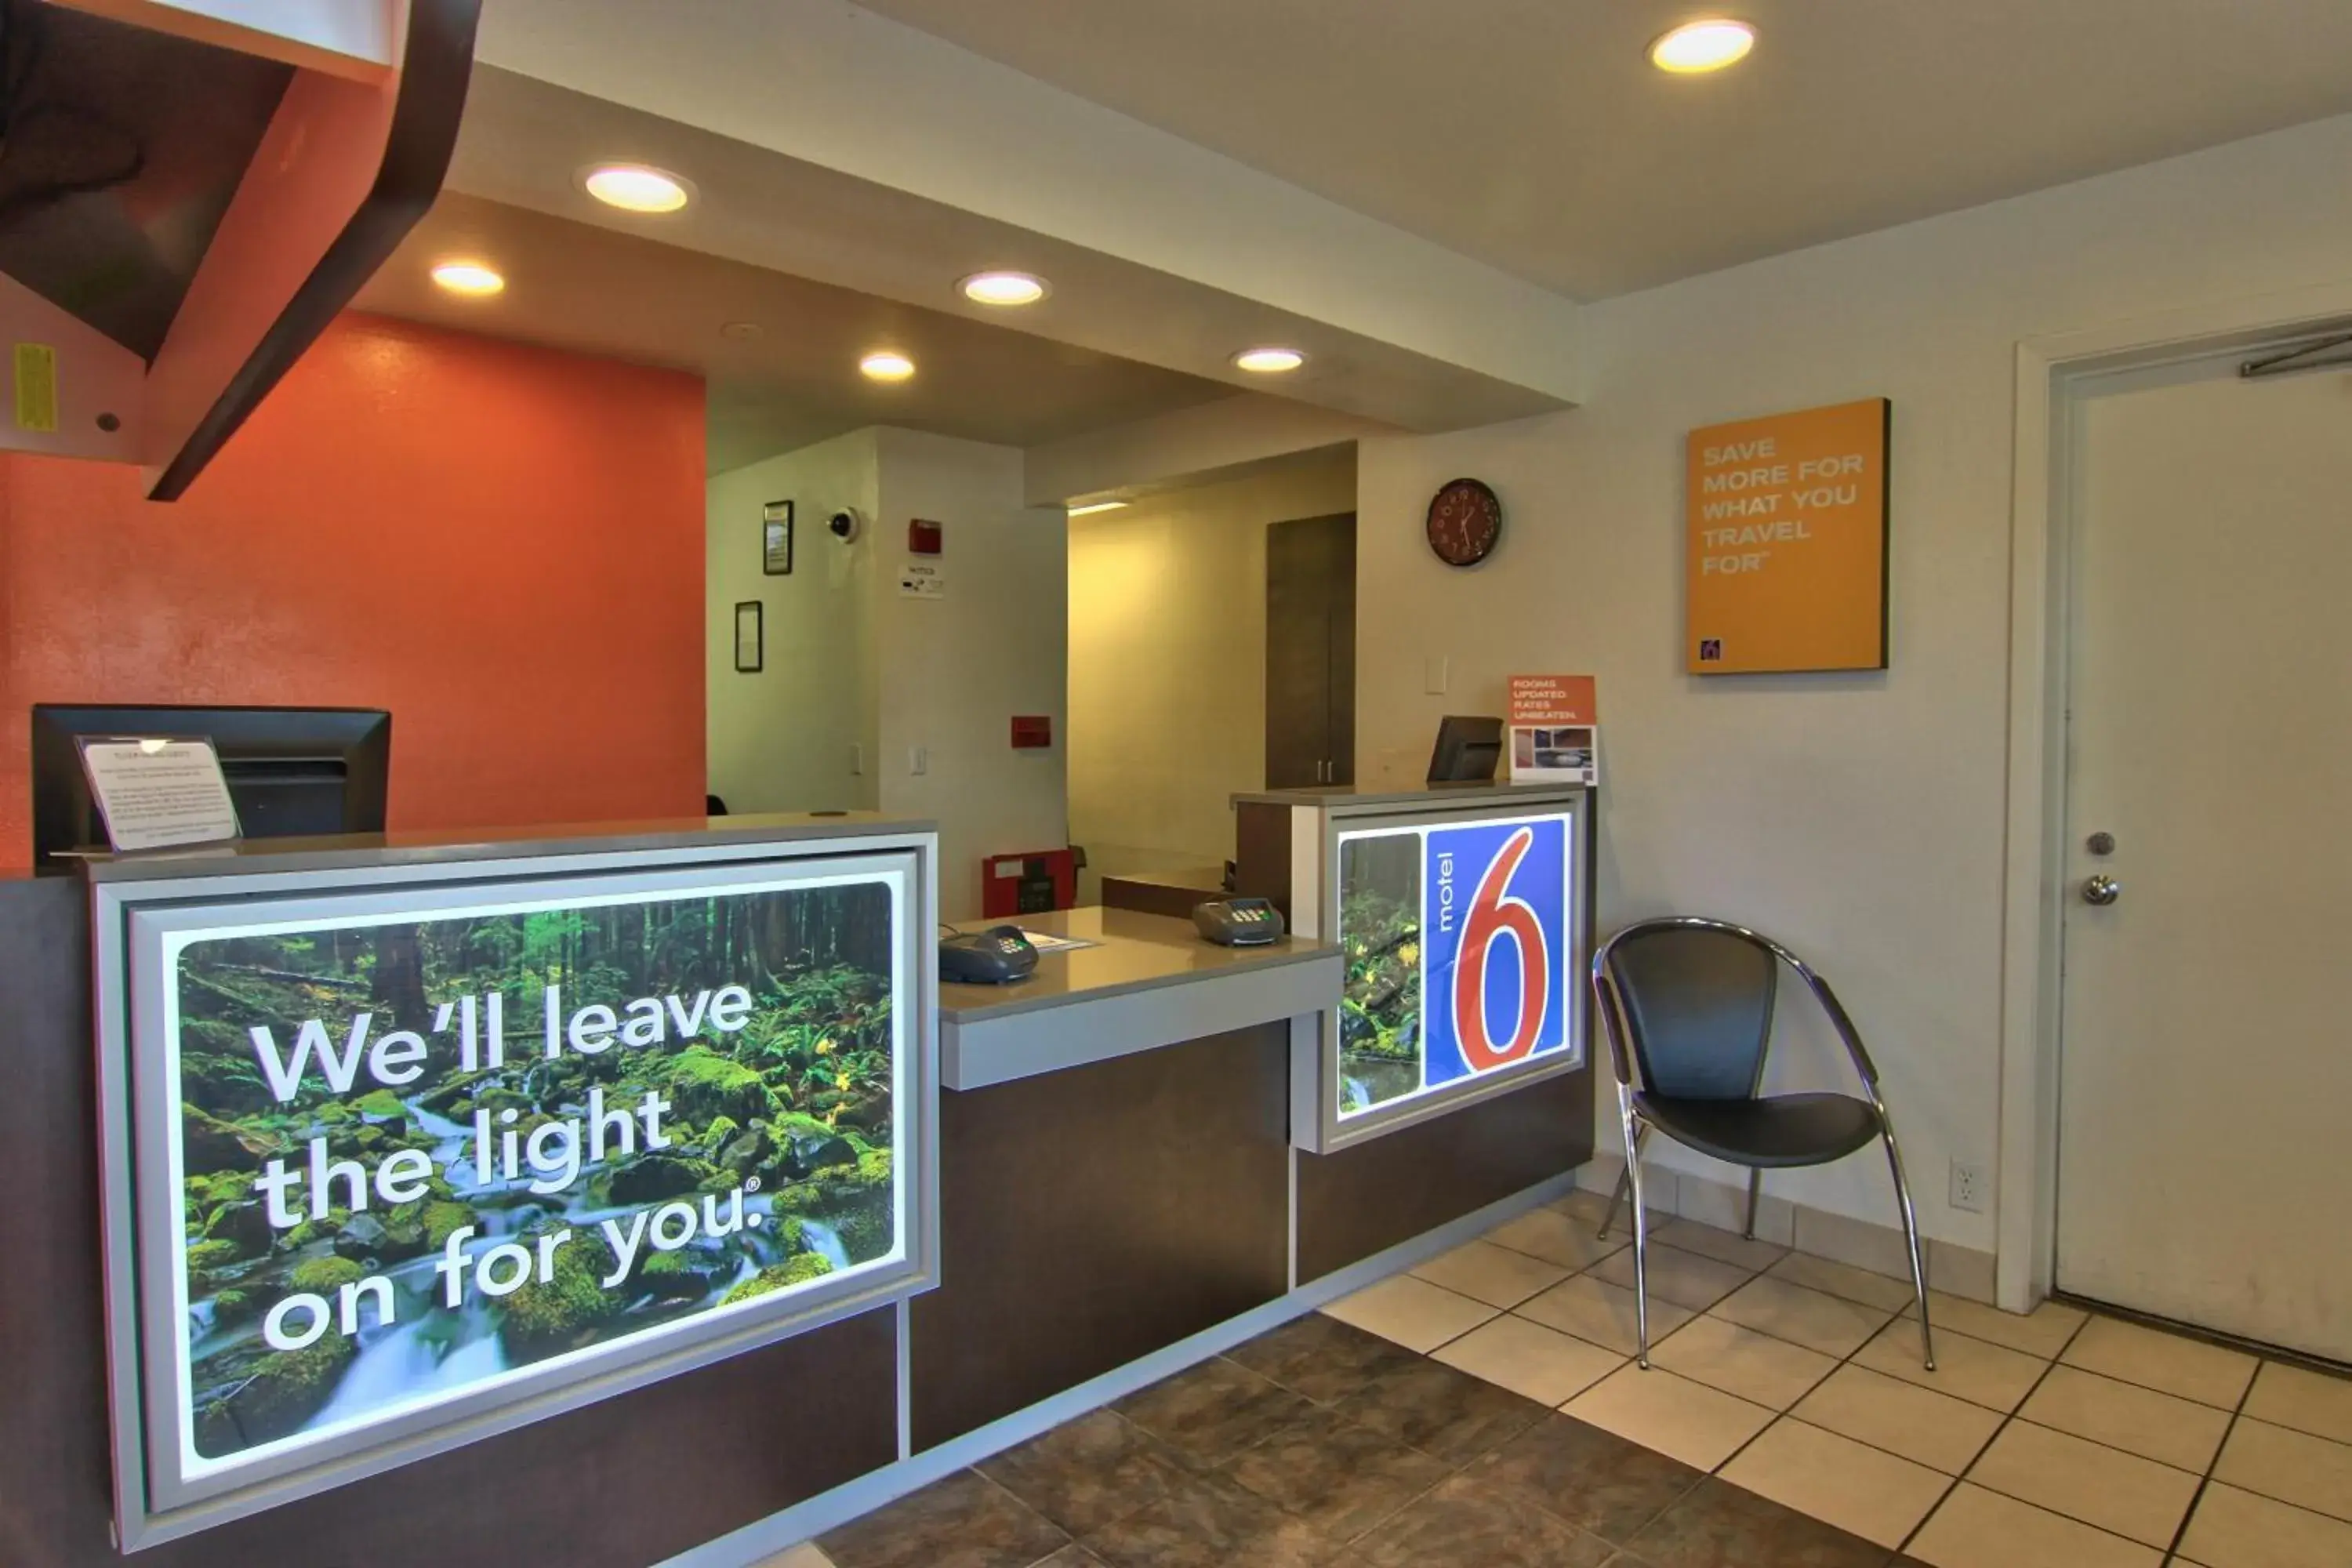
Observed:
{"x":1004,"y":288}
{"x":740,"y":331}
{"x":1269,"y":361}
{"x":887,"y":365}
{"x":470,"y":278}
{"x":1706,"y":46}
{"x":636,"y":188}
{"x":1093,"y":507}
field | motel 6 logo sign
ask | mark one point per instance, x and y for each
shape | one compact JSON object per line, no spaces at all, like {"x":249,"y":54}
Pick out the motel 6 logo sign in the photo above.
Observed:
{"x":1495,"y":943}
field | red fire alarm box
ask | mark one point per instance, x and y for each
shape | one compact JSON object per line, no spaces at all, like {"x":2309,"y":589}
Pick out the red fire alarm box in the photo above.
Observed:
{"x":924,"y":538}
{"x":1032,"y":730}
{"x":1029,"y":883}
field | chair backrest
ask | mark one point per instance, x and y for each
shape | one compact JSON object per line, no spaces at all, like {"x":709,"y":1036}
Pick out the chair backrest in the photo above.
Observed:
{"x":1694,"y":998}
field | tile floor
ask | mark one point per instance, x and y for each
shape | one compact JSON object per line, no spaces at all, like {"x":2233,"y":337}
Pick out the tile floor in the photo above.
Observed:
{"x":1482,"y":1411}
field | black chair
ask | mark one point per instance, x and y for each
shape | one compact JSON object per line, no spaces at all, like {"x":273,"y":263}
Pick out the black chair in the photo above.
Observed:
{"x":1687,"y":1002}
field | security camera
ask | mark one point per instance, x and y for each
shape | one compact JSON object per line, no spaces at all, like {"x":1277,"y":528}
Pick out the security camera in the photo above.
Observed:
{"x":843,"y":525}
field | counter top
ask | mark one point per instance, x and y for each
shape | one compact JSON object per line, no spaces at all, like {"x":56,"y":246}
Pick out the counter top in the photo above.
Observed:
{"x":353,"y":850}
{"x":1134,"y":951}
{"x":1150,"y":981}
{"x":1431,"y":795}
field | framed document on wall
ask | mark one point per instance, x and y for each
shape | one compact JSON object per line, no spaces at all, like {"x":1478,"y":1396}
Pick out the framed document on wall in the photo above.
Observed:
{"x":1786,"y":534}
{"x":750,"y":637}
{"x":776,"y":538}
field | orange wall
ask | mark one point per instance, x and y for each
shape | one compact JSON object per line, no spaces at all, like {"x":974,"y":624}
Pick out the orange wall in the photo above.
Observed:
{"x":500,"y":545}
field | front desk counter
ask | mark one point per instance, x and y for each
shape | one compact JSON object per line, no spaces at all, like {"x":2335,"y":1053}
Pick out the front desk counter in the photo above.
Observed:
{"x":1116,"y":1174}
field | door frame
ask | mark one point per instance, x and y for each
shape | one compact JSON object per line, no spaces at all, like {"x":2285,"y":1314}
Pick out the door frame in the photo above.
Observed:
{"x":2054,"y":374}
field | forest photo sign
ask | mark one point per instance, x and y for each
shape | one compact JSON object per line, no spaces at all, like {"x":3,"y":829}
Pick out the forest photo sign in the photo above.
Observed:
{"x":408,"y":1164}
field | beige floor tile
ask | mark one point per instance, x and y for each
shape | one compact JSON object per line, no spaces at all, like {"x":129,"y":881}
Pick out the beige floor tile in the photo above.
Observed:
{"x":2168,"y":1363}
{"x":1807,"y":1318}
{"x":2042,"y":1332}
{"x":2160,"y":1427}
{"x":1701,"y":1426}
{"x":1494,"y":1275}
{"x":1556,"y":1238}
{"x":1966,"y":1369}
{"x":1977,"y":1528}
{"x":1876,"y":1496}
{"x":2234,"y":1529}
{"x":1683,"y":1278}
{"x":1586,"y":1203}
{"x":2292,"y":1466}
{"x":804,"y":1555}
{"x":1597,"y":1310}
{"x":2307,"y":1401}
{"x":2119,"y":1492}
{"x":1921,"y":1424}
{"x":1842,"y":1280}
{"x":1414,"y":1312}
{"x":1526,"y":1358}
{"x":1756,"y":1367}
{"x":1723,"y":1245}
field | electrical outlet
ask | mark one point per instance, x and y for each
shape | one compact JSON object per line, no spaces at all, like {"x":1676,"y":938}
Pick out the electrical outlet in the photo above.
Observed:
{"x":1969,"y":1186}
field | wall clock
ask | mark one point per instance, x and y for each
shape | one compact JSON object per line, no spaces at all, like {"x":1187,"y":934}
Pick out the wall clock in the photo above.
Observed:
{"x":1465,"y":521}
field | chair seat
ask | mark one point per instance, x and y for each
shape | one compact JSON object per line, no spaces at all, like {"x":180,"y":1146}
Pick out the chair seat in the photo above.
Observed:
{"x":1774,"y":1131}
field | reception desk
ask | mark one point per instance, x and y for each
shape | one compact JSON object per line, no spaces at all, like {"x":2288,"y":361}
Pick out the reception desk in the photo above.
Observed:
{"x":981,"y":1210}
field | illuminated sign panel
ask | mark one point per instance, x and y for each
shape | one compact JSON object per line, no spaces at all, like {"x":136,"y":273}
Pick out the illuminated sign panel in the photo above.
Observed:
{"x":1461,"y":941}
{"x":408,"y":1166}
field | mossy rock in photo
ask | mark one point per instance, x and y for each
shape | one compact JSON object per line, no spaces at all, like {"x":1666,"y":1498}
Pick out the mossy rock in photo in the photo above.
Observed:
{"x":799,"y":1268}
{"x":369,"y":1239}
{"x":224,"y":1080}
{"x":381,"y":1105}
{"x":684,"y":1276}
{"x":704,"y":1085}
{"x":243,"y":1225}
{"x":440,"y":1217}
{"x":252,"y":1394}
{"x":650,"y":1178}
{"x":539,"y":1320}
{"x":208,"y":1144}
{"x":207,"y":1260}
{"x":325,"y":1276}
{"x":233,"y":1307}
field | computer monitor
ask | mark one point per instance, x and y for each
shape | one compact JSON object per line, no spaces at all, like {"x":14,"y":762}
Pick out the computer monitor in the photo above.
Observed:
{"x":1467,"y":749}
{"x":290,"y":771}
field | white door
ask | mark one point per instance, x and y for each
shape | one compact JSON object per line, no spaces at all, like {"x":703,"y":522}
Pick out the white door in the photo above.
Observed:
{"x":2205,"y":1128}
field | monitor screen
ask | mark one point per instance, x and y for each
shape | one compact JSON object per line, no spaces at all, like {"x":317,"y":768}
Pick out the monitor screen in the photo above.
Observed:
{"x":1468,"y":746}
{"x":290,"y":771}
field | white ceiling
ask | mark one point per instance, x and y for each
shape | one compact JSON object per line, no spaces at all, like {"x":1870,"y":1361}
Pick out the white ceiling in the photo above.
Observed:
{"x":596,"y":290}
{"x":1533,"y":134}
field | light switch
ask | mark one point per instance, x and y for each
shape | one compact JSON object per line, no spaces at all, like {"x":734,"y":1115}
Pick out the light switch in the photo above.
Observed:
{"x":856,"y":758}
{"x":918,"y":760}
{"x":1432,"y":676}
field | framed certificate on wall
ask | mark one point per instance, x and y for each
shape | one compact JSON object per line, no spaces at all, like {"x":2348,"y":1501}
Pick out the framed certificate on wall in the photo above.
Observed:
{"x":776,"y":538}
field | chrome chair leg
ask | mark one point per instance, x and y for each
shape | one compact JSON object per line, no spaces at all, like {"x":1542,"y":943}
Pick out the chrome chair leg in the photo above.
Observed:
{"x":1633,"y":1135}
{"x":1911,"y":1239}
{"x":1617,"y":1198}
{"x":1754,"y":1185}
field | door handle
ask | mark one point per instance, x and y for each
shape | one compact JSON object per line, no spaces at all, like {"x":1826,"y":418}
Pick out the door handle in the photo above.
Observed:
{"x":2101,"y":891}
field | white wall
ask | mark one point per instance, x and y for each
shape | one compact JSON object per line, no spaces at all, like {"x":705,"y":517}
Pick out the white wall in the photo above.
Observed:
{"x":1167,"y":661}
{"x":1859,"y":818}
{"x":955,"y":671}
{"x":781,"y":740}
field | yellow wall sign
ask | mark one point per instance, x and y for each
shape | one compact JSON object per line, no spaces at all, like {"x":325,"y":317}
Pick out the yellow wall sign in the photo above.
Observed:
{"x":1786,"y":524}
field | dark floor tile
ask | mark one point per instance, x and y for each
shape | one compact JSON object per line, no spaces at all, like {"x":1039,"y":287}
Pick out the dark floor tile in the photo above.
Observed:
{"x":1212,"y":1412}
{"x":1464,"y":1525}
{"x":1340,"y":1478}
{"x":1439,"y":1410}
{"x":1211,"y":1521}
{"x":1594,"y":1480}
{"x":1720,"y":1526}
{"x":1320,"y":1357}
{"x":1089,"y":1472}
{"x":963,"y":1522}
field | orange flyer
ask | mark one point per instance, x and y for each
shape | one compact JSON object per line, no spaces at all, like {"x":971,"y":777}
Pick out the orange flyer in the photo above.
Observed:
{"x":1553,"y":699}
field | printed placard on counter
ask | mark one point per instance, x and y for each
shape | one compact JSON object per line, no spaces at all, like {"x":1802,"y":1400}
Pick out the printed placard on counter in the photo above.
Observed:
{"x":1553,"y":733}
{"x":157,"y":794}
{"x":1786,"y":520}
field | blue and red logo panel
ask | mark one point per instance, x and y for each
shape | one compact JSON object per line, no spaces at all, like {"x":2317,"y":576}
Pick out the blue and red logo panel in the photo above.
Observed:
{"x":1495,"y":946}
